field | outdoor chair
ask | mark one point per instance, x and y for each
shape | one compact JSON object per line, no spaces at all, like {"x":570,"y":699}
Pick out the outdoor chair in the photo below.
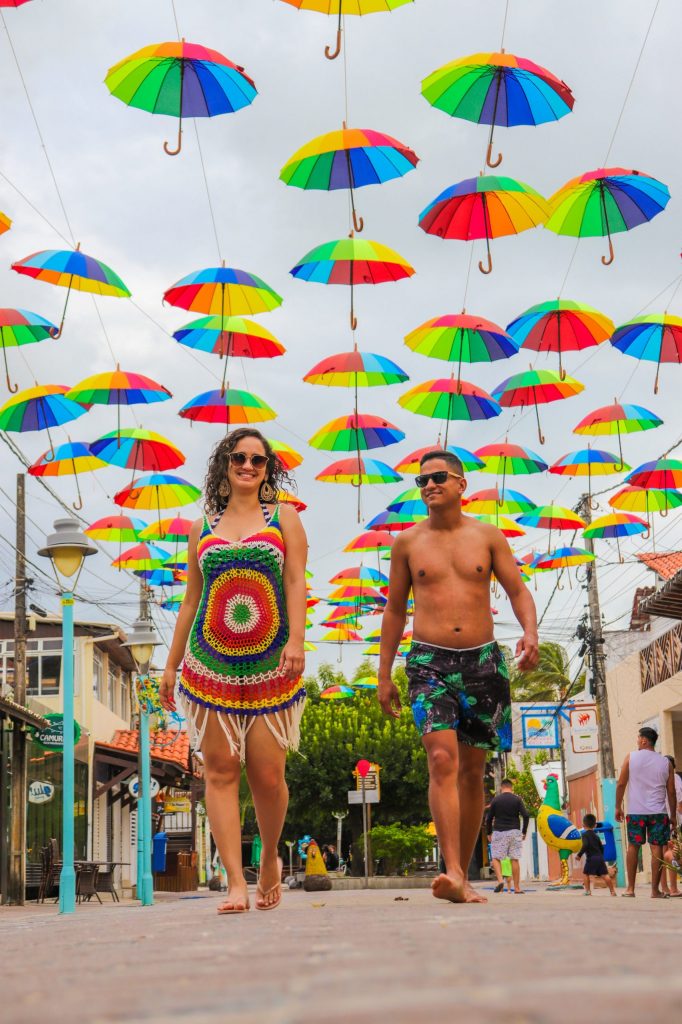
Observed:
{"x":49,"y":877}
{"x":86,"y":883}
{"x":105,"y":882}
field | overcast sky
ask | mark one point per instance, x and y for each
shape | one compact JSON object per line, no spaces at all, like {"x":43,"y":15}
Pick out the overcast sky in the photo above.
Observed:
{"x":147,"y":216}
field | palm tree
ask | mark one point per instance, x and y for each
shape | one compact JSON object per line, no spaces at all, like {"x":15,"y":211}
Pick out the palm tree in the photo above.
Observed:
{"x":550,"y":681}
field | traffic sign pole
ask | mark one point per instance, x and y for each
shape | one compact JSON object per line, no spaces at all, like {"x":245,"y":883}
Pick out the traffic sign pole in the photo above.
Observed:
{"x":364,"y":832}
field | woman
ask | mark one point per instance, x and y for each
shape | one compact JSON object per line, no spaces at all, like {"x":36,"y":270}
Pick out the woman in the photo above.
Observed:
{"x":241,"y":686}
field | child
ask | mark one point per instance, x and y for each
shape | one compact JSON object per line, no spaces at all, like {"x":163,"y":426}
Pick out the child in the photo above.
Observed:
{"x":595,"y":865}
{"x":506,"y":869}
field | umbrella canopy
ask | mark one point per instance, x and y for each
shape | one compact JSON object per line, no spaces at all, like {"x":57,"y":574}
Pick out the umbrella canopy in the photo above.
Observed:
{"x":358,"y":574}
{"x":552,"y":517}
{"x":411,"y":463}
{"x":371,"y":540}
{"x":285,"y":498}
{"x":177,"y":561}
{"x":229,"y":407}
{"x":68,"y":459}
{"x":563,"y":558}
{"x":159,"y":491}
{"x":39,"y":408}
{"x":508,"y":527}
{"x":120,"y":529}
{"x":460,"y":338}
{"x":449,"y":399}
{"x":174,"y":529}
{"x":409,"y":503}
{"x":227,"y":336}
{"x":644,"y":499}
{"x":289,"y":457}
{"x":118,"y":388}
{"x":182,"y":80}
{"x":352,"y":261}
{"x":356,"y":433}
{"x":138,"y":450}
{"x":614,"y":525}
{"x":484,"y":207}
{"x":365,"y":683}
{"x":173,"y":603}
{"x":534,"y":388}
{"x":350,"y":158}
{"x":603,"y":202}
{"x":617,"y":419}
{"x":357,"y":471}
{"x":13,"y":3}
{"x":223,"y":291}
{"x":503,"y":459}
{"x":498,"y":501}
{"x":588,"y":462}
{"x":142,"y":556}
{"x":498,"y":89}
{"x":162,"y":577}
{"x":337,"y":692}
{"x":661,"y":475}
{"x":343,"y":7}
{"x":656,"y":337}
{"x":21,"y":327}
{"x":5,"y":223}
{"x":394,"y":522}
{"x":356,"y":369}
{"x":73,"y":270}
{"x":560,"y":325}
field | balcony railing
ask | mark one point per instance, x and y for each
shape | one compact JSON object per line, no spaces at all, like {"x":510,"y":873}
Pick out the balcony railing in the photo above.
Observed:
{"x":662,"y":659}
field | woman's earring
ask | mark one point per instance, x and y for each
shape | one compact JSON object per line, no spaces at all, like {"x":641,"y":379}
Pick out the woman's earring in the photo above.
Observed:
{"x":224,"y":489}
{"x":267,"y":492}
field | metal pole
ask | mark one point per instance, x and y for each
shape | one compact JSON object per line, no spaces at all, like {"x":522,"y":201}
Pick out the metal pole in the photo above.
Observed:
{"x":144,"y":810}
{"x":140,"y":828}
{"x":17,"y":859}
{"x":364,"y":832}
{"x":67,"y":878}
{"x":597,"y":657}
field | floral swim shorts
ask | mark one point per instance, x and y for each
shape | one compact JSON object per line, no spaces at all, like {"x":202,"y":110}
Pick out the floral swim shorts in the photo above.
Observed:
{"x":466,"y":690}
{"x":655,"y":826}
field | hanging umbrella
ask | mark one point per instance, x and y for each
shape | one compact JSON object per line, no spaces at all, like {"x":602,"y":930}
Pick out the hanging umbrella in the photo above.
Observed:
{"x":552,"y":517}
{"x":285,"y":498}
{"x":231,"y":407}
{"x":617,"y":419}
{"x":603,"y":202}
{"x":162,"y":577}
{"x":588,"y":462}
{"x":379,"y":541}
{"x":142,"y":557}
{"x":356,"y":369}
{"x":228,"y":336}
{"x":73,"y":270}
{"x":350,"y":159}
{"x":560,"y":325}
{"x":645,"y":499}
{"x":498,"y":89}
{"x":39,"y":408}
{"x":536,"y":387}
{"x":656,"y":337}
{"x":660,"y":475}
{"x":308,"y":646}
{"x":507,"y":526}
{"x":120,"y":529}
{"x":394,"y":522}
{"x":68,"y":459}
{"x":173,"y":603}
{"x":289,"y":458}
{"x":449,"y":399}
{"x":182,"y":80}
{"x":337,"y":693}
{"x":118,"y":388}
{"x":358,"y":574}
{"x":348,"y":592}
{"x":484,"y":207}
{"x":509,"y":459}
{"x":138,"y":450}
{"x":614,"y":526}
{"x":562,"y":558}
{"x":177,"y":561}
{"x":157,"y":491}
{"x":13,"y":3}
{"x":461,"y":339}
{"x":352,"y":261}
{"x":222,"y":291}
{"x":411,"y":463}
{"x":365,"y":683}
{"x":21,"y":327}
{"x":343,"y":7}
{"x":174,"y":529}
{"x":356,"y":433}
{"x":496,"y":501}
{"x":5,"y":223}
{"x":409,"y":503}
{"x":358,"y":471}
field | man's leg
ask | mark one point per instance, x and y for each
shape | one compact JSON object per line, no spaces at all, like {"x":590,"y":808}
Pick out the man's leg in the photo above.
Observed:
{"x":471,"y":802}
{"x":516,"y":875}
{"x":631,"y":866}
{"x":497,"y":868}
{"x":443,"y":759}
{"x":656,"y":859}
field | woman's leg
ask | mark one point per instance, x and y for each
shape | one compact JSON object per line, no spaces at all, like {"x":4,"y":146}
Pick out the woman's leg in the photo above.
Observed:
{"x":265,"y":761}
{"x":223,"y":771}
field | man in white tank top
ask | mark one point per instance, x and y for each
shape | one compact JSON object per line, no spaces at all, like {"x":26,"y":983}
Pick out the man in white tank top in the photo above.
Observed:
{"x":652,"y":805}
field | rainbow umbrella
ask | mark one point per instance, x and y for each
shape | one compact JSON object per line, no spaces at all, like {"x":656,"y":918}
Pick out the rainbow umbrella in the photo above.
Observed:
{"x":289,"y":458}
{"x":484,"y":207}
{"x":177,"y":561}
{"x":393,"y":522}
{"x":350,"y":159}
{"x":352,"y":261}
{"x":228,"y":336}
{"x":350,"y":592}
{"x":5,"y":223}
{"x":460,"y":338}
{"x":118,"y":388}
{"x":39,"y":408}
{"x":172,"y":603}
{"x":121,"y":529}
{"x":536,"y":387}
{"x":365,"y":683}
{"x":411,"y":463}
{"x":341,"y":8}
{"x":504,"y":459}
{"x":508,"y":527}
{"x":356,"y":369}
{"x":562,"y":558}
{"x":356,"y":433}
{"x":73,"y":270}
{"x":588,"y":462}
{"x":138,"y":450}
{"x":68,"y":459}
{"x":285,"y":498}
{"x":659,"y":475}
{"x":603,"y":202}
{"x":357,"y":471}
{"x":21,"y":327}
{"x":614,"y":526}
{"x":182,"y":80}
{"x":159,"y":491}
{"x":409,"y":503}
{"x":337,"y":693}
{"x":358,"y":574}
{"x":495,"y":501}
{"x":13,"y":3}
{"x":617,"y":419}
{"x":308,"y":646}
{"x":498,"y":89}
{"x":142,"y":556}
{"x":560,"y":325}
{"x":645,"y":499}
{"x":222,"y":291}
{"x":449,"y":399}
{"x":162,"y":577}
{"x":229,"y":407}
{"x":379,"y":541}
{"x":174,"y":529}
{"x":552,"y":517}
{"x":656,"y":337}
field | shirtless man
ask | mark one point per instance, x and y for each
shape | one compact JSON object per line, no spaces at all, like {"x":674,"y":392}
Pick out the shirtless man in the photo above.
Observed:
{"x":458,"y":679}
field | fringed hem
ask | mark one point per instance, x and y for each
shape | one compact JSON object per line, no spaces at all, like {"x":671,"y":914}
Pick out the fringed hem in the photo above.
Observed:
{"x":285,"y":725}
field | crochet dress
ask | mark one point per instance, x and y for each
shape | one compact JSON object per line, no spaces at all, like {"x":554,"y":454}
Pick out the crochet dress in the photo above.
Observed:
{"x":231,"y":665}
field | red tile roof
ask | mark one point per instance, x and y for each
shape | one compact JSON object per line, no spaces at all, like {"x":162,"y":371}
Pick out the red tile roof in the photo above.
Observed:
{"x":665,"y":565}
{"x":166,"y":745}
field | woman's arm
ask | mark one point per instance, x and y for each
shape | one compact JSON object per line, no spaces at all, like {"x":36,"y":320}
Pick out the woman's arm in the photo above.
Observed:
{"x":292,"y":661}
{"x":184,"y":622}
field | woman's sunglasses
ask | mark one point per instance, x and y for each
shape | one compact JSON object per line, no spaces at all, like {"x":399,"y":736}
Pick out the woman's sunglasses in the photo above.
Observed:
{"x":439,"y":477}
{"x":241,"y":458}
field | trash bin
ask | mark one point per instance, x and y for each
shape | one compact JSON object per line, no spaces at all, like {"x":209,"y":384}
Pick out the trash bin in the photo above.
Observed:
{"x":159,"y":844}
{"x":605,"y":829}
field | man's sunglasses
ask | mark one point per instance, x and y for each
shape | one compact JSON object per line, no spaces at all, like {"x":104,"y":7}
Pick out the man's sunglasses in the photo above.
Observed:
{"x":439,"y":477}
{"x":241,"y":458}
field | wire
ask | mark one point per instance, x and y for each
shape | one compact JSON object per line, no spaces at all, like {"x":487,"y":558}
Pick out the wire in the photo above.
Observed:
{"x":208,"y":192}
{"x":504,"y":24}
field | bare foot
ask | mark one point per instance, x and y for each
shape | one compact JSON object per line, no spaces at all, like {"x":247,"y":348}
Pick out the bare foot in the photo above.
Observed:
{"x":269,"y":884}
{"x":236,"y":901}
{"x":472,"y":895}
{"x":450,"y":887}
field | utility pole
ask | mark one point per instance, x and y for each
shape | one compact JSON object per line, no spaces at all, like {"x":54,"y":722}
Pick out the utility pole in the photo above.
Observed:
{"x":17,"y":857}
{"x":598,"y":661}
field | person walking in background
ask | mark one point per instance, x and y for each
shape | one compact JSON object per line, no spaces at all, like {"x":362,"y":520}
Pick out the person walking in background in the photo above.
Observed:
{"x":593,"y":851}
{"x":669,"y":885}
{"x":650,"y":782}
{"x":507,"y":825}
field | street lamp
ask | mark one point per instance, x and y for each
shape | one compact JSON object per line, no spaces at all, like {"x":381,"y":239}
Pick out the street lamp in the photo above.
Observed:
{"x":67,"y":549}
{"x":142,"y":639}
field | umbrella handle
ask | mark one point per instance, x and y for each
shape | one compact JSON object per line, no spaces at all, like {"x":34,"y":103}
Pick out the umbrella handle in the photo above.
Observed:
{"x":559,"y":584}
{"x":11,"y":388}
{"x":358,"y":222}
{"x":594,"y":505}
{"x":482,"y":268}
{"x":166,"y":147}
{"x":489,"y":162}
{"x":78,"y":505}
{"x":328,"y":50}
{"x":608,"y":260}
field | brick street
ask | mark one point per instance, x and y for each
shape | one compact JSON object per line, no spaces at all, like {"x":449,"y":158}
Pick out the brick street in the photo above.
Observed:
{"x":544,"y":958}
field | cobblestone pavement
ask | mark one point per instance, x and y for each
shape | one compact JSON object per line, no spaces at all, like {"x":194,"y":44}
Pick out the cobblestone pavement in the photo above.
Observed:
{"x":346,"y":958}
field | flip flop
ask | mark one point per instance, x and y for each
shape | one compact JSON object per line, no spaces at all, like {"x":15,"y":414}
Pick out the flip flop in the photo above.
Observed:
{"x":499,"y":887}
{"x":264,"y":893}
{"x":247,"y":906}
{"x":628,"y":895}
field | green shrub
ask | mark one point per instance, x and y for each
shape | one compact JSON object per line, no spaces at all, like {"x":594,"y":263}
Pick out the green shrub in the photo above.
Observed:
{"x":398,"y":845}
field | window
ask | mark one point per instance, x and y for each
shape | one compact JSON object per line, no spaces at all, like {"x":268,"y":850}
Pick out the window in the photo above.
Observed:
{"x":97,"y":675}
{"x":124,"y":683}
{"x":112,"y":687}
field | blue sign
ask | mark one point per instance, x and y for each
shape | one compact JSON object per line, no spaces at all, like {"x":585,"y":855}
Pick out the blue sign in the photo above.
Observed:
{"x":540,"y":729}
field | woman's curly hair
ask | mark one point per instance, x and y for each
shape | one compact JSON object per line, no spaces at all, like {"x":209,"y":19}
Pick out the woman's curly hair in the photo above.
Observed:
{"x":275,"y":473}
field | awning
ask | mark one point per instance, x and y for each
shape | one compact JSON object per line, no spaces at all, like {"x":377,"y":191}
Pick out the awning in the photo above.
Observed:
{"x":18,"y":713}
{"x":666,"y":602}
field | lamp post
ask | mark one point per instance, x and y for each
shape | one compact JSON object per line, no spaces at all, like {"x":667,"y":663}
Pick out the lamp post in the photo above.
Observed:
{"x":142,"y":639}
{"x":67,"y":549}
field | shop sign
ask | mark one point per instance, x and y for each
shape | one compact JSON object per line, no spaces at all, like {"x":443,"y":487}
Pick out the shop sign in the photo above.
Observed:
{"x":52,"y":738}
{"x":584,"y":730}
{"x":133,"y":785}
{"x":40,"y":792}
{"x":540,"y":728}
{"x":177,"y":805}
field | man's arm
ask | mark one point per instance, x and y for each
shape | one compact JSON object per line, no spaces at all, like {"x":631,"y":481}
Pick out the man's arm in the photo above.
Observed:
{"x":392,"y":626}
{"x":621,"y":787}
{"x":507,"y":572}
{"x":672,"y":797}
{"x":490,"y":817}
{"x":525,"y":816}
